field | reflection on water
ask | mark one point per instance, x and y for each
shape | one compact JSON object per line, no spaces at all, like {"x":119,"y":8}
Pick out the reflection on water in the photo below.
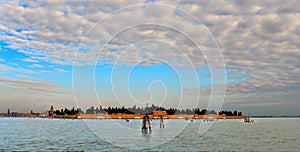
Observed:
{"x":129,"y":135}
{"x":147,"y":137}
{"x":55,"y":134}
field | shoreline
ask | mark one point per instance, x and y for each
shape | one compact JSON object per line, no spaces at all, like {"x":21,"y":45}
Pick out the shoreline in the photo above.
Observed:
{"x":135,"y":116}
{"x":151,"y":116}
{"x":227,"y":118}
{"x":126,"y":116}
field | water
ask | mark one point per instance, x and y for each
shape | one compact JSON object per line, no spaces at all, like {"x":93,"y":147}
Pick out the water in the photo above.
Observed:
{"x":274,"y":134}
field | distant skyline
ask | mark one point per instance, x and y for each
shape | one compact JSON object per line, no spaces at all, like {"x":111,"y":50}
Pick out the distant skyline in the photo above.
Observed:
{"x":168,"y":53}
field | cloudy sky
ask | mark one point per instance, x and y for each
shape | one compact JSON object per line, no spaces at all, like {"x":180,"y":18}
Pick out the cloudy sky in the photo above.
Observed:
{"x":236,"y":55}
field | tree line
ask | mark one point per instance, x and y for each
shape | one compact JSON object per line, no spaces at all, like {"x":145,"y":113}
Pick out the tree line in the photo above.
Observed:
{"x":152,"y":108}
{"x":230,"y":113}
{"x":146,"y":110}
{"x":66,"y":111}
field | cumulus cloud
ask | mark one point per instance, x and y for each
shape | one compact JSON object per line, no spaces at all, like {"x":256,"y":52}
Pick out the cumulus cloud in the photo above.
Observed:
{"x":54,"y":32}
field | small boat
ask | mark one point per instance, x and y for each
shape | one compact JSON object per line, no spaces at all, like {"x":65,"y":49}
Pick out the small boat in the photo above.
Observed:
{"x":126,"y":119}
{"x":247,"y":119}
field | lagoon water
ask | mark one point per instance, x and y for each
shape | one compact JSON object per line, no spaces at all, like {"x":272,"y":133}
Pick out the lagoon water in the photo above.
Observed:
{"x":265,"y":134}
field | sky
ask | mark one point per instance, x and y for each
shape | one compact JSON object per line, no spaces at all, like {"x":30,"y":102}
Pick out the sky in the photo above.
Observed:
{"x":223,"y":55}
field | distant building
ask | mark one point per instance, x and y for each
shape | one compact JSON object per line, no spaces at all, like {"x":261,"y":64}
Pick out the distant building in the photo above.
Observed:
{"x":159,"y":113}
{"x":51,"y":112}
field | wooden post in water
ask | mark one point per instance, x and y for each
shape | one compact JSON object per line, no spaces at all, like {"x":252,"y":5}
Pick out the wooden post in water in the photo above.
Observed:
{"x":146,"y":127}
{"x":161,"y":122}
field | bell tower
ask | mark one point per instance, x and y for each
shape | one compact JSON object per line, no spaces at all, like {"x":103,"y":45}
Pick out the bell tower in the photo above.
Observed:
{"x":51,"y":111}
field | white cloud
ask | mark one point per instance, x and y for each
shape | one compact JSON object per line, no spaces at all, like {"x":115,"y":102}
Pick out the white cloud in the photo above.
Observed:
{"x":15,"y":68}
{"x":3,"y":67}
{"x":29,"y":60}
{"x":26,"y":86}
{"x":37,"y":66}
{"x":60,"y":70}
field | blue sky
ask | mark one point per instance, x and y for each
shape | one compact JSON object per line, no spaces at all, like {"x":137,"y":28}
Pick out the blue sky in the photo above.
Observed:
{"x":170,"y":53}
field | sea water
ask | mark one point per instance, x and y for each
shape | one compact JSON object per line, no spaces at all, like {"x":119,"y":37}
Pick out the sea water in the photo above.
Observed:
{"x":34,"y":134}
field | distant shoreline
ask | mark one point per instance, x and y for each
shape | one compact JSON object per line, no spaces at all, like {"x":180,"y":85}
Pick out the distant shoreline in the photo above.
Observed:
{"x":275,"y":116}
{"x":129,"y":116}
{"x":174,"y":118}
{"x":135,"y":116}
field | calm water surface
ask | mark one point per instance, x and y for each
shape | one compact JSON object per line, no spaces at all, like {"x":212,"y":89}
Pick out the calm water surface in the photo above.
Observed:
{"x":273,"y":134}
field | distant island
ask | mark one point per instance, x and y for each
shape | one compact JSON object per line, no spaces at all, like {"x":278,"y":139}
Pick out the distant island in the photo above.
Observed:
{"x":154,"y":112}
{"x":283,"y":116}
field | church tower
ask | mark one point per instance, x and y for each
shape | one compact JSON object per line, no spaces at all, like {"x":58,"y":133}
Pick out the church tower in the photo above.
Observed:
{"x":51,"y":111}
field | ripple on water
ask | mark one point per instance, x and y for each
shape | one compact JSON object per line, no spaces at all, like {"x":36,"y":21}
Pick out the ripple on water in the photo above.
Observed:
{"x":58,"y":135}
